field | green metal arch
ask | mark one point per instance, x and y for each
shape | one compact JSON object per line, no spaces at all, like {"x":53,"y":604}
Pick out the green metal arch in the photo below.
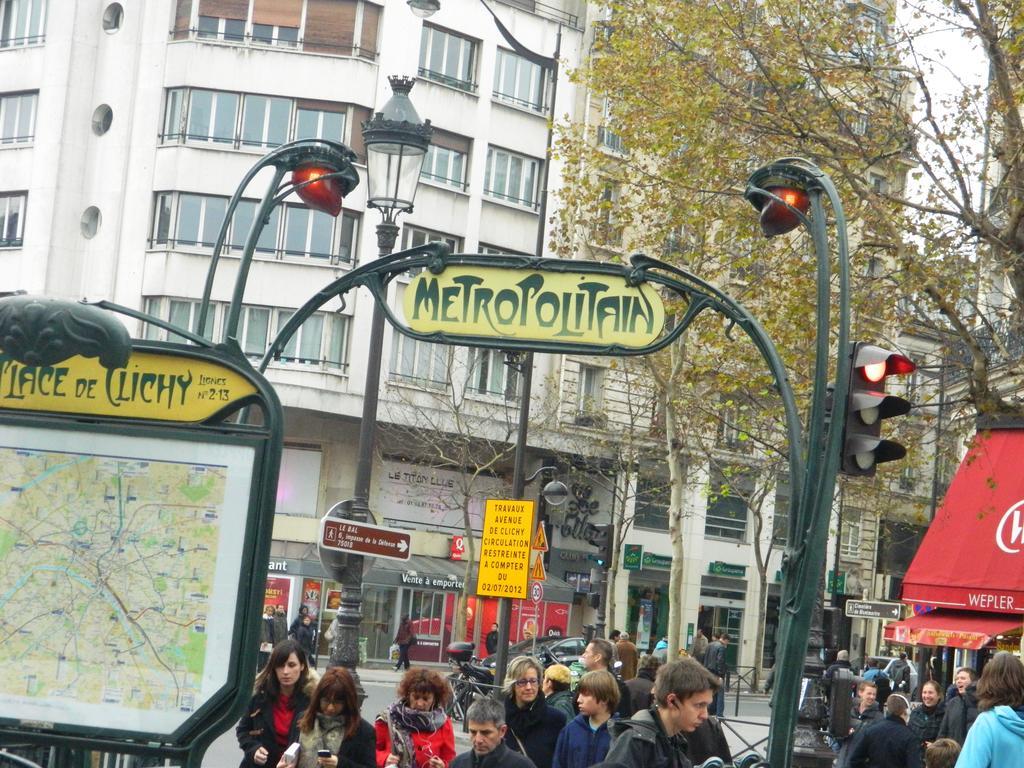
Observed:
{"x":698,"y":294}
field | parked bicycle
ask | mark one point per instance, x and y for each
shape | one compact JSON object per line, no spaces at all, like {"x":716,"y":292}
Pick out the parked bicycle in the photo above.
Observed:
{"x":468,"y":679}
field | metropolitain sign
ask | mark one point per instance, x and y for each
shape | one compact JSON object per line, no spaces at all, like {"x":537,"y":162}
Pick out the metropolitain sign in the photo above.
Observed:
{"x":552,"y":307}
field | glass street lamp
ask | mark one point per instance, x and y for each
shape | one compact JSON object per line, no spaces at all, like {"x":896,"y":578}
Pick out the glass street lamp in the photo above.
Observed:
{"x":396,"y":144}
{"x":424,"y":8}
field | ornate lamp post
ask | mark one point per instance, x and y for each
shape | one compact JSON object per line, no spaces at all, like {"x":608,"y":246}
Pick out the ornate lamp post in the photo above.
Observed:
{"x":396,"y":143}
{"x":789,"y":193}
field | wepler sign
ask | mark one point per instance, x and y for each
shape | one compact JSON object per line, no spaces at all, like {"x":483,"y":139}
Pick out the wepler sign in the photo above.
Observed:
{"x":491,"y":302}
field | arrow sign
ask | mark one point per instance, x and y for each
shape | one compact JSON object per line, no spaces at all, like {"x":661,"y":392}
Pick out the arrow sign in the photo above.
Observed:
{"x":867,"y":609}
{"x":364,"y":539}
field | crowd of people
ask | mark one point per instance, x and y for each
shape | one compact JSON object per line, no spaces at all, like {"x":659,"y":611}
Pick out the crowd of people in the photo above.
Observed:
{"x":658,"y":718}
{"x":626,"y":709}
{"x":978,"y":722}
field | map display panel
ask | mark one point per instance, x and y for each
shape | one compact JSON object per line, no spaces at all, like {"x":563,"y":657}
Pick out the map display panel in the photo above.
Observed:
{"x":119,"y":573}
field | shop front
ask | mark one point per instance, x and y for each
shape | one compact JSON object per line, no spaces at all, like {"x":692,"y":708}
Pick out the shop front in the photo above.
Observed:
{"x":723,"y":600}
{"x":424,"y":588}
{"x":647,"y":597}
{"x":965,"y":585}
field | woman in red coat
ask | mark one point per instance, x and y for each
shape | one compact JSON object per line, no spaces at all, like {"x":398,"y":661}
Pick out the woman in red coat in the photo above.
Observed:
{"x":415,"y":732}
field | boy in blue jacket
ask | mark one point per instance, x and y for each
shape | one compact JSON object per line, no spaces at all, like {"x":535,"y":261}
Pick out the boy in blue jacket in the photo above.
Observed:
{"x":586,"y":739}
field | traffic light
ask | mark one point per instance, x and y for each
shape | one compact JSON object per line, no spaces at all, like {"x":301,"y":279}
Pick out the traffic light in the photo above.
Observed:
{"x":600,"y":536}
{"x":867,"y":404}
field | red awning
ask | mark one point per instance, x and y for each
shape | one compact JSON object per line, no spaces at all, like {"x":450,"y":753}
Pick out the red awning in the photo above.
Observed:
{"x":972,"y":556}
{"x":956,"y":629}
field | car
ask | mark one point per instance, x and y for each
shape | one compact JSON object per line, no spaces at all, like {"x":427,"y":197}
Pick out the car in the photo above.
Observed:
{"x":887,"y":662}
{"x":550,"y":650}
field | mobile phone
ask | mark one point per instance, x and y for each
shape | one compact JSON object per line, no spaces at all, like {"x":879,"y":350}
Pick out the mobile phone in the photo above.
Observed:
{"x":323,"y":753}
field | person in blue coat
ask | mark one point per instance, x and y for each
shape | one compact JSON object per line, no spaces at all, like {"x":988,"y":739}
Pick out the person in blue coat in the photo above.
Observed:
{"x":586,"y":739}
{"x":997,"y":737}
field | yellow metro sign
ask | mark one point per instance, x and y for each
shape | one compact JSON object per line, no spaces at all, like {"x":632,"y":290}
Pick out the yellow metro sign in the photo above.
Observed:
{"x":505,"y":548}
{"x":567,"y":307}
{"x":160,"y":386}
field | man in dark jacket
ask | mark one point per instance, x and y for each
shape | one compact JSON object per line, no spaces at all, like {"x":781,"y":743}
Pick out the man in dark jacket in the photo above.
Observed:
{"x":486,"y":720}
{"x":900,"y":675}
{"x":491,"y":641}
{"x":597,"y":656}
{"x":641,"y":686}
{"x":961,"y":712}
{"x":865,"y":712}
{"x":714,"y":660}
{"x":889,"y":743}
{"x":653,"y":738}
{"x":708,"y":740}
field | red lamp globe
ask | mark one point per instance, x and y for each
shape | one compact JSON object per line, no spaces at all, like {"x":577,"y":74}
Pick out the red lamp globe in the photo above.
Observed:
{"x":321,"y":194}
{"x":776,"y":218}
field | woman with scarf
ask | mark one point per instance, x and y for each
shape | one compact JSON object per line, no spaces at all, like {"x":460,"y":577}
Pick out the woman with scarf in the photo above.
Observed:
{"x":415,"y":732}
{"x":280,"y":696}
{"x":331,"y":733}
{"x":533,"y":725}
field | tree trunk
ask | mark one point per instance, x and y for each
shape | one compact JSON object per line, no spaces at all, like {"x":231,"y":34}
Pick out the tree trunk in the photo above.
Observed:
{"x":459,"y":626}
{"x":675,"y":527}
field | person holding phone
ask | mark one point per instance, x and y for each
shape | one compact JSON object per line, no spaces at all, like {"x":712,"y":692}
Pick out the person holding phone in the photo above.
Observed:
{"x":332,"y":734}
{"x":280,"y":696}
{"x":415,"y":732}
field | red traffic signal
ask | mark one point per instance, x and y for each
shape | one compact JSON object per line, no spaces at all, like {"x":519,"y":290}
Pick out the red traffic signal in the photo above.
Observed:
{"x":868,"y":404}
{"x":779,"y":218}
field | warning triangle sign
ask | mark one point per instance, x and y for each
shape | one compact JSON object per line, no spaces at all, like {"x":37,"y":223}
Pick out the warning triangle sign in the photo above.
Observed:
{"x":537,"y":572}
{"x":540,"y":541}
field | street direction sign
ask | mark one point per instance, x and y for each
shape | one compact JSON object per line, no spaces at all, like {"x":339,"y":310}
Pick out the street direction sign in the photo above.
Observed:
{"x":364,"y":539}
{"x":867,"y":609}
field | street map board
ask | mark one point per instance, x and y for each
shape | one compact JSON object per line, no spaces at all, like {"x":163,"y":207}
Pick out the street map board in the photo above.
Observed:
{"x":505,"y":548}
{"x":120,"y":562}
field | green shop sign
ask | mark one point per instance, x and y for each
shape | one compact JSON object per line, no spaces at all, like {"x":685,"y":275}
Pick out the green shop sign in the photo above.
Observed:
{"x":632,"y":557}
{"x":651,"y":560}
{"x":727,"y":569}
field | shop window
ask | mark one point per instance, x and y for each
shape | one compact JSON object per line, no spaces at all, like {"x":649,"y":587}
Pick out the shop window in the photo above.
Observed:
{"x":426,"y":611}
{"x":448,"y":58}
{"x":580,"y":582}
{"x":22,"y":22}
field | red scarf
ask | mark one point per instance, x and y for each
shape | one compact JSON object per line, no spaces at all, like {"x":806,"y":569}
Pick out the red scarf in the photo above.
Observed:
{"x":284,"y":712}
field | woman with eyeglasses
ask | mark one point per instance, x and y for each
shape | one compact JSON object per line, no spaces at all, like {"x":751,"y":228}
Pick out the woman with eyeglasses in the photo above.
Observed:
{"x":415,"y":732}
{"x":533,"y":726}
{"x":332,"y":734}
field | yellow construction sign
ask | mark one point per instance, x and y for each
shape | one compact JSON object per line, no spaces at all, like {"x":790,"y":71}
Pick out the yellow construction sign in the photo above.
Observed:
{"x":537,"y":572}
{"x":540,"y":541}
{"x":505,"y":549}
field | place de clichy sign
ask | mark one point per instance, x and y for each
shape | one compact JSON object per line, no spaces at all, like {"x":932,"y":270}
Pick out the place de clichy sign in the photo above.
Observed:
{"x":569,"y":307}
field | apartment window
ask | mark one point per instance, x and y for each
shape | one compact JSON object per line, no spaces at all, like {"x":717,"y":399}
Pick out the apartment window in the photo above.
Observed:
{"x":447,"y":58}
{"x":498,"y":250}
{"x":879,"y":184}
{"x":519,"y":81}
{"x":318,"y":123}
{"x":414,"y":236}
{"x":180,"y":312}
{"x":12,"y":219}
{"x":212,"y":116}
{"x":850,"y":533}
{"x":331,"y":27}
{"x":446,"y":160}
{"x":265,"y":121}
{"x":589,"y":397}
{"x":22,"y":22}
{"x":199,"y":219}
{"x":17,"y":117}
{"x":214,"y":27}
{"x":291,"y":231}
{"x":241,"y":223}
{"x":276,"y":22}
{"x":653,"y":496}
{"x":727,"y":505}
{"x":488,"y":374}
{"x":780,"y":517}
{"x":610,"y":232}
{"x":511,"y":177}
{"x":419,"y":362}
